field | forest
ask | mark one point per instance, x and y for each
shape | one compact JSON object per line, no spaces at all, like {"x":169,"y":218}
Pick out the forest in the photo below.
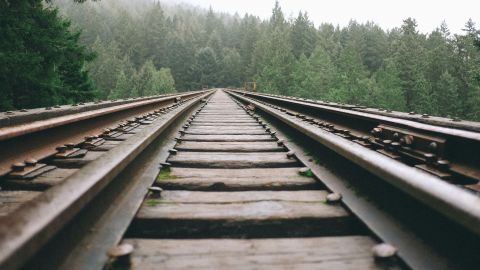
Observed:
{"x":117,"y":49}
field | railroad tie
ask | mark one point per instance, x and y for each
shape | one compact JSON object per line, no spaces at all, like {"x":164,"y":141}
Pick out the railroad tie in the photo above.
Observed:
{"x":233,"y":197}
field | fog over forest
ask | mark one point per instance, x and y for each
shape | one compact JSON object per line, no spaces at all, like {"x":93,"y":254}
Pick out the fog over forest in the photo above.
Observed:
{"x":140,"y":48}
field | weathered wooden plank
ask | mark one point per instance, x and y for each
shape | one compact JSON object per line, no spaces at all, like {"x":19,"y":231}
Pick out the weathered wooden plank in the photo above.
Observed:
{"x":228,"y":138}
{"x":41,"y":182}
{"x":231,"y":127}
{"x":244,"y":214}
{"x":225,"y":132}
{"x":342,"y":253}
{"x":236,"y":179}
{"x":217,"y":124}
{"x":216,"y":120}
{"x":232,"y":160}
{"x":11,"y":200}
{"x":229,"y":146}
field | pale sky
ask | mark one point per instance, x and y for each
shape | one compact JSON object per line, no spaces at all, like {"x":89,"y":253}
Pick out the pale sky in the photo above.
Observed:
{"x":386,"y":13}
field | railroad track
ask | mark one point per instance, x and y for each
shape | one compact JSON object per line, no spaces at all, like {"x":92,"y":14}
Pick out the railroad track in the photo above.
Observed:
{"x":246,"y":181}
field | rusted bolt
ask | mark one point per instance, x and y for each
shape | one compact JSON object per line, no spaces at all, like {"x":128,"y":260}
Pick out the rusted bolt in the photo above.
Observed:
{"x":165,"y":164}
{"x":31,"y":162}
{"x":18,"y":167}
{"x":273,"y":134}
{"x":267,"y":129}
{"x":376,"y":132}
{"x":386,"y":143}
{"x":61,"y":149}
{"x":443,"y":164}
{"x":121,"y":254}
{"x":334,"y":198}
{"x":395,"y":146}
{"x":290,"y":154}
{"x":179,"y":140}
{"x":156,"y":192}
{"x":280,"y":142}
{"x":173,"y":151}
{"x":305,"y":171}
{"x":433,"y":147}
{"x":430,"y":158}
{"x":396,"y":137}
{"x":384,"y":251}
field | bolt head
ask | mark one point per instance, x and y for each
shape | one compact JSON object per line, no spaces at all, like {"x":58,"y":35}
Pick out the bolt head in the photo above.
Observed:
{"x":384,"y":251}
{"x":334,"y":198}
{"x":290,"y":154}
{"x":304,"y":171}
{"x":31,"y":162}
{"x":18,"y":167}
{"x":120,"y":251}
{"x":173,"y":151}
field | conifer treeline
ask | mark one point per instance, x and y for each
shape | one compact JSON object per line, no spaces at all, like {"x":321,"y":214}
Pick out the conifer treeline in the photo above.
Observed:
{"x":143,"y":48}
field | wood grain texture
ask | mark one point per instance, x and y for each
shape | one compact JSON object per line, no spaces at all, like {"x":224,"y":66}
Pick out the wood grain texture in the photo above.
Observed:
{"x":342,"y":253}
{"x":237,"y":179}
{"x":228,"y":138}
{"x":229,"y":146}
{"x":241,"y":214}
{"x":232,"y":160}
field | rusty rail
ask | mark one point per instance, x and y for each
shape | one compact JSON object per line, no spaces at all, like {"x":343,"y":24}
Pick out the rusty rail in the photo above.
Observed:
{"x":37,"y":133}
{"x":445,"y":151}
{"x":39,"y":220}
{"x":457,"y":204}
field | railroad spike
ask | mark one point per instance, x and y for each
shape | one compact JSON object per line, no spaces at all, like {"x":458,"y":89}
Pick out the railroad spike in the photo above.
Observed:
{"x":333,"y":198}
{"x":120,"y":255}
{"x":384,"y":252}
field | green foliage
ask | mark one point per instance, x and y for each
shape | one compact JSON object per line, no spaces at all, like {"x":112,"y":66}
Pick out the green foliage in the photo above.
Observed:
{"x":144,"y":48}
{"x":41,"y":62}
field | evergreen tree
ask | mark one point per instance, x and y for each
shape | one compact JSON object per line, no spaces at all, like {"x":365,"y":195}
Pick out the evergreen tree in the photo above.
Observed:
{"x":41,"y":62}
{"x":206,"y":67}
{"x":303,"y":36}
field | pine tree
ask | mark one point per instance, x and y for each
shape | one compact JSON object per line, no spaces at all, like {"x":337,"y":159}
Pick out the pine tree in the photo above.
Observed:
{"x":206,"y":67}
{"x":41,"y":62}
{"x":303,"y":36}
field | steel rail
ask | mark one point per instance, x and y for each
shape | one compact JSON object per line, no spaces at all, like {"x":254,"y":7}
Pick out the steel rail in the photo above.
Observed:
{"x":457,"y":204}
{"x":39,"y":139}
{"x":350,"y":114}
{"x":20,"y":129}
{"x":28,"y":229}
{"x":457,"y":147}
{"x":454,"y":122}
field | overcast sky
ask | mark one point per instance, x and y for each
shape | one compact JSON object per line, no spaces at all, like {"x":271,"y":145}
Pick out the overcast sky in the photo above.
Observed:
{"x":388,"y":14}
